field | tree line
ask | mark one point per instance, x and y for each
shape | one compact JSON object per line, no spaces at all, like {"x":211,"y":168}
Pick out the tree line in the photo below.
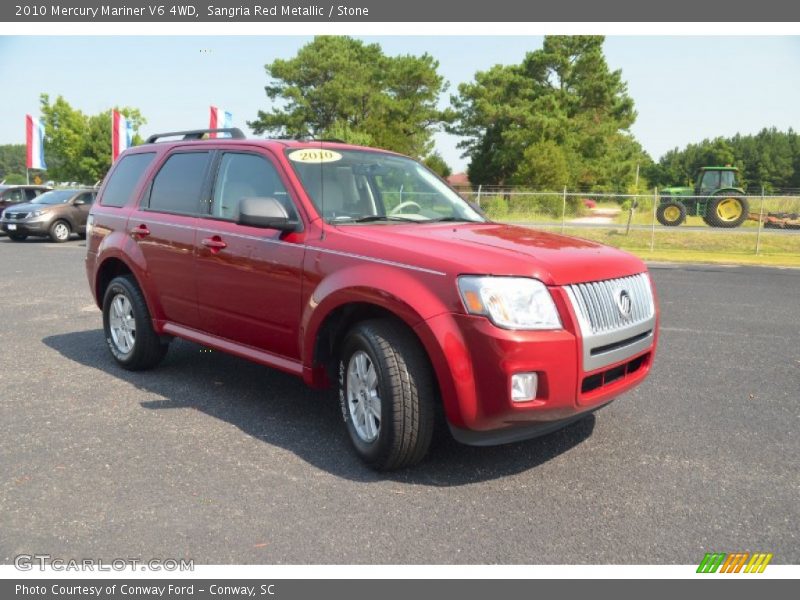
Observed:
{"x":559,"y":118}
{"x":769,"y":159}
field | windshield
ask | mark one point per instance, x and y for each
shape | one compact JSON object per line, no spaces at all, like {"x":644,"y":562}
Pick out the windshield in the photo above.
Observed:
{"x":356,"y":186}
{"x":55,"y":197}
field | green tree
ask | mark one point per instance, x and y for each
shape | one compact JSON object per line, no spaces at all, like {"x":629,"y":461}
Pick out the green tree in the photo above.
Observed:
{"x":543,"y":166}
{"x":78,"y":146}
{"x":563,"y":94}
{"x":339,"y":87}
{"x":768,"y":159}
{"x":12,"y":161}
{"x":437,"y":164}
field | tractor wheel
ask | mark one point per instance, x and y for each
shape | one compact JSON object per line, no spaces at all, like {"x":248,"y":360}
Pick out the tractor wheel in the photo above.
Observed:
{"x":726,"y":211}
{"x":671,"y":213}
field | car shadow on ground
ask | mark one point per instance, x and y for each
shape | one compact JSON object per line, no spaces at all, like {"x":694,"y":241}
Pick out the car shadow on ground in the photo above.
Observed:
{"x":280,"y":410}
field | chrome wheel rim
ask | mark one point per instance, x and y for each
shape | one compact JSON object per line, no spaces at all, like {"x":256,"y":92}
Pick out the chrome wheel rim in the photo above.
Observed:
{"x":122,"y":323}
{"x":363,"y":399}
{"x":61,"y":231}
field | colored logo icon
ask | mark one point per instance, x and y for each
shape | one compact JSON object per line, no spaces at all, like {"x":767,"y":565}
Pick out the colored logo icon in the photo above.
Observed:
{"x":735,"y":562}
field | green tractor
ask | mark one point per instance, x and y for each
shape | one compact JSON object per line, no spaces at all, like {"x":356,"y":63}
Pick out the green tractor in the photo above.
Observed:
{"x":716,"y":196}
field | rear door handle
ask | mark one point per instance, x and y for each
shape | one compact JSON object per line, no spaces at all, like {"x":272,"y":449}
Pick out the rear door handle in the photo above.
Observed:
{"x":215,"y":243}
{"x":140,"y":231}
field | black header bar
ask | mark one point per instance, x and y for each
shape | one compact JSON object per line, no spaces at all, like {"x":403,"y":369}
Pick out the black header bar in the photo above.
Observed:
{"x":309,"y":11}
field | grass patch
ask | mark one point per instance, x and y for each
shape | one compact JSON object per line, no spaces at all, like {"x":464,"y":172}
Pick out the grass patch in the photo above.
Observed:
{"x":713,"y":245}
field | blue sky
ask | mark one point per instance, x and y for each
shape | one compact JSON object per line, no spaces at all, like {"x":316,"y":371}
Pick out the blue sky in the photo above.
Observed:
{"x":685,"y":88}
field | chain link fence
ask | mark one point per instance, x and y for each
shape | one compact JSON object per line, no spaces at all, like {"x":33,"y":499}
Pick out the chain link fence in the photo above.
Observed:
{"x":751,"y":224}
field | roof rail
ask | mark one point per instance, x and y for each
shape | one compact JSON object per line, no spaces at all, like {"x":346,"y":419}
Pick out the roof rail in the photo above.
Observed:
{"x":196,"y":134}
{"x":309,"y":138}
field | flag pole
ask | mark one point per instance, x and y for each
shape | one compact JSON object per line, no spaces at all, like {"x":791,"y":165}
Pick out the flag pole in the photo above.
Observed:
{"x":27,"y":176}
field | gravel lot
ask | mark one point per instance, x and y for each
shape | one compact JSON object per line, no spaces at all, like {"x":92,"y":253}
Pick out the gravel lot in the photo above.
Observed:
{"x":215,"y":459}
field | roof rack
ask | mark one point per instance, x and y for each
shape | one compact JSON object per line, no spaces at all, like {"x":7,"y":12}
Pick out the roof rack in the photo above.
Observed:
{"x":308,"y":138}
{"x":196,"y":134}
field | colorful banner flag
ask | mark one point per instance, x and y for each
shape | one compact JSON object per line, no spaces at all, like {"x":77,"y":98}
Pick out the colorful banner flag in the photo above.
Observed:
{"x":121,"y":134}
{"x":220,"y":119}
{"x":34,"y":137}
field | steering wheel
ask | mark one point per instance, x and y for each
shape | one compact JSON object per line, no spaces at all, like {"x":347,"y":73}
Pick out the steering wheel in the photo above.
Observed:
{"x":407,"y":204}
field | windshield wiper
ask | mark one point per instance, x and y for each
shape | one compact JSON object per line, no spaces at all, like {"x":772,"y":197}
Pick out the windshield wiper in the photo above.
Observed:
{"x":452,"y":220}
{"x":372,"y":218}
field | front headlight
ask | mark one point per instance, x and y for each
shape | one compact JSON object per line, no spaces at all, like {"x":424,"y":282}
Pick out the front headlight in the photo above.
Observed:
{"x":510,"y":302}
{"x":36,"y":213}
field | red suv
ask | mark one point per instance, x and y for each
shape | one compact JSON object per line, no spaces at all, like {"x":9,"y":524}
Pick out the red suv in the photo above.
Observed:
{"x":361,"y":269}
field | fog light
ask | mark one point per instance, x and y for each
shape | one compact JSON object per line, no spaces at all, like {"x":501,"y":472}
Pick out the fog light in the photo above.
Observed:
{"x":523,"y":387}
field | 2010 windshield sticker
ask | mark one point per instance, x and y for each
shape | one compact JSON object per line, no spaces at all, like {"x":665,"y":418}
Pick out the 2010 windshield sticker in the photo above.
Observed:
{"x":314,"y":155}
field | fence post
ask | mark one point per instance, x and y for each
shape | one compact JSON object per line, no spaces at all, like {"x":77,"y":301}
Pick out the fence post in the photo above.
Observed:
{"x":653,"y":227}
{"x":760,"y":222}
{"x":478,"y":199}
{"x":563,"y":209}
{"x":634,"y":202}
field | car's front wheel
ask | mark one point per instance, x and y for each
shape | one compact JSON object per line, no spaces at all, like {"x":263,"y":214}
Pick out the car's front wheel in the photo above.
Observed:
{"x":386,"y":394}
{"x":60,"y":231}
{"x":128,"y":328}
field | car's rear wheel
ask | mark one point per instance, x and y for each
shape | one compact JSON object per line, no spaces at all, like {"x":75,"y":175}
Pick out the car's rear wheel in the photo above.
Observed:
{"x":386,"y":394}
{"x":60,"y":231}
{"x":18,"y":237}
{"x":128,"y":328}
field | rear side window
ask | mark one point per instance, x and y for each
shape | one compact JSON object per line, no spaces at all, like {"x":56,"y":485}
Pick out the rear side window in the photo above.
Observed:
{"x":14,"y":195}
{"x":125,"y":177}
{"x":177,"y":187}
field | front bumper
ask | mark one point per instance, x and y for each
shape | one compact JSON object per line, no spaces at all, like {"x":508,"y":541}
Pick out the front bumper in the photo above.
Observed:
{"x":25,"y":227}
{"x":474,"y":361}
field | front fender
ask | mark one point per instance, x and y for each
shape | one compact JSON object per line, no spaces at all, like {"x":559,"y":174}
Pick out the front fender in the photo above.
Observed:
{"x":409,"y":296}
{"x":729,"y":192}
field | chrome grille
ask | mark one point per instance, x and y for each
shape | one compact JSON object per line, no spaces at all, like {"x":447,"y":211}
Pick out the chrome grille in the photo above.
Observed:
{"x":597,"y":308}
{"x":17,"y":216}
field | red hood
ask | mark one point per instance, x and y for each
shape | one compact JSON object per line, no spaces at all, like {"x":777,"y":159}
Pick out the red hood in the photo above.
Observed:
{"x":493,"y":249}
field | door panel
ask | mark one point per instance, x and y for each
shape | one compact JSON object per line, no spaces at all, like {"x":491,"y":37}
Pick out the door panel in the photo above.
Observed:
{"x":166,"y":232}
{"x":249,"y":290}
{"x":80,"y":212}
{"x":249,"y":278}
{"x":167,"y":243}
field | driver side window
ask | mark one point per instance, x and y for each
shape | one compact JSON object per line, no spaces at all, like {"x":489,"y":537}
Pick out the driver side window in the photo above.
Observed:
{"x":241,"y":176}
{"x":710,"y":181}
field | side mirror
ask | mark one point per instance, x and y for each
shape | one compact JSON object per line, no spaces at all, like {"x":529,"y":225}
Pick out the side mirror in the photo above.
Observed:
{"x":265,"y":212}
{"x":78,"y":202}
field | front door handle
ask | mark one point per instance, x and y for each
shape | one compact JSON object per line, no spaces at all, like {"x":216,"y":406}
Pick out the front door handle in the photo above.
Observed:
{"x":140,"y":231}
{"x":215,"y":243}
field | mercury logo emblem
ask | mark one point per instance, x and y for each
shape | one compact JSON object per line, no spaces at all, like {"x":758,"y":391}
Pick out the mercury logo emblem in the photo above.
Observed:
{"x":624,"y":302}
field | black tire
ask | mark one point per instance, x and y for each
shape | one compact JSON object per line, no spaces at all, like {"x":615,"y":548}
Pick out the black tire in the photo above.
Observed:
{"x":406,"y":392}
{"x":715,"y":211}
{"x":18,"y":237}
{"x":57,"y":231}
{"x":671,"y":213}
{"x":148,"y":349}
